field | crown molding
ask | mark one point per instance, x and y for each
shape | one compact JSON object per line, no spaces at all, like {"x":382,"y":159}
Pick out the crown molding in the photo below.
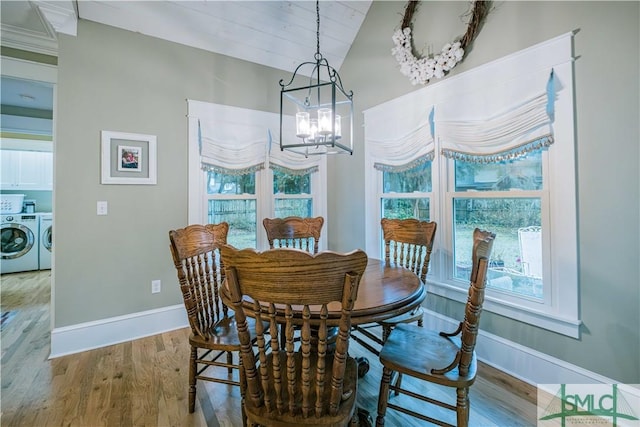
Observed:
{"x":61,"y":16}
{"x":54,"y":16}
{"x":33,"y":41}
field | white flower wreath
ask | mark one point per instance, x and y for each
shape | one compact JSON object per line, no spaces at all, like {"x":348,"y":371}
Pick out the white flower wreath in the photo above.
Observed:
{"x":422,"y":70}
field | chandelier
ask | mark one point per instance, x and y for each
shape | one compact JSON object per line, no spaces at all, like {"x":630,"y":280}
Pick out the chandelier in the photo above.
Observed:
{"x":323,"y":110}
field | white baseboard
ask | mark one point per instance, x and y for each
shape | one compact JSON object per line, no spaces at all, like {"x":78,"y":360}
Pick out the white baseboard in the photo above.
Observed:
{"x":524,"y":363}
{"x":517,"y":360}
{"x":101,"y":333}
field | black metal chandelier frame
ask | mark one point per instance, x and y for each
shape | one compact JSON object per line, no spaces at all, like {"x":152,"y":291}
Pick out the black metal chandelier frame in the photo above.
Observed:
{"x":331,"y":141}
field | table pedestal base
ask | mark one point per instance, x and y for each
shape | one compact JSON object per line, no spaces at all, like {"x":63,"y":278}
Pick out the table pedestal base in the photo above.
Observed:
{"x":363,"y":366}
{"x":364,"y":418}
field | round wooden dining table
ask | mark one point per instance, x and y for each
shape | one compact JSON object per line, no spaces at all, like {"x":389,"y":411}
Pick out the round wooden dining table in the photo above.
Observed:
{"x":384,"y":292}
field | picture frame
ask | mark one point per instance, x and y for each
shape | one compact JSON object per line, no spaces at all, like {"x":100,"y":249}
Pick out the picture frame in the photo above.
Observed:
{"x":128,"y":158}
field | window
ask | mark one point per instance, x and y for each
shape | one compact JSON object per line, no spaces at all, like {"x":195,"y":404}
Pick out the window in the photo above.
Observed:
{"x":291,"y":193}
{"x":406,"y":193}
{"x":501,"y":146}
{"x":238,"y":176}
{"x":506,"y":198}
{"x":233,"y":199}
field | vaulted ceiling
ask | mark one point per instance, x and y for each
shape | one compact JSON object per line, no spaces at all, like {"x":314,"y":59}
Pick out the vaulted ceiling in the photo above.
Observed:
{"x":278,"y":34}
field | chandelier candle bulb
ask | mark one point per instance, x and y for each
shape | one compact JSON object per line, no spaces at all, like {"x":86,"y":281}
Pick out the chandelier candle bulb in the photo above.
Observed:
{"x":324,"y":121}
{"x":338,"y":128}
{"x":302,"y":124}
{"x":313,"y":129}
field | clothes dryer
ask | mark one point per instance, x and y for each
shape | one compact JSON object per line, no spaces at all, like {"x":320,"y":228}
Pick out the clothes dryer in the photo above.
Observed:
{"x":46,"y":241}
{"x":19,"y":242}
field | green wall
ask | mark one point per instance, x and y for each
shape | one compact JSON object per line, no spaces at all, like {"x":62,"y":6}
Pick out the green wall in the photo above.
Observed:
{"x":607,"y":132}
{"x":116,"y":80}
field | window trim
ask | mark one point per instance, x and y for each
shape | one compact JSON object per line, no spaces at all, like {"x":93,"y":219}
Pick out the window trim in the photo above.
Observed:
{"x":560,"y":312}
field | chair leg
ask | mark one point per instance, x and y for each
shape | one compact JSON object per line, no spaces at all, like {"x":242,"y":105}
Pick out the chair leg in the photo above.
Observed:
{"x":229,"y":362}
{"x":462,"y":407}
{"x":386,"y":330}
{"x":243,"y":391}
{"x":383,"y":396}
{"x":398,"y":384}
{"x":192,"y":379}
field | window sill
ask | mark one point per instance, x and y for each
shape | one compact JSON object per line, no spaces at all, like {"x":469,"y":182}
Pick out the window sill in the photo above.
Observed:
{"x":552,"y":322}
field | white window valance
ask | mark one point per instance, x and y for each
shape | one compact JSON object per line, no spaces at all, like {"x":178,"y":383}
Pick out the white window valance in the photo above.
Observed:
{"x":277,"y":168}
{"x":499,"y":123}
{"x":396,"y":135}
{"x":233,"y":146}
{"x":491,"y":124}
{"x":383,"y":167}
{"x":238,"y":141}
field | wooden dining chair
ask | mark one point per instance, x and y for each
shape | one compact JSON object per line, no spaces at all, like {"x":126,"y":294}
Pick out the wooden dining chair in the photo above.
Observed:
{"x":294,"y":232}
{"x":407,"y":243}
{"x":288,"y":387}
{"x":443,"y":358}
{"x":213,"y":338}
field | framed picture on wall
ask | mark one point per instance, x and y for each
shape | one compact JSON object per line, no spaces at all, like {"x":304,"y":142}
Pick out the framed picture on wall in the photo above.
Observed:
{"x":128,"y":158}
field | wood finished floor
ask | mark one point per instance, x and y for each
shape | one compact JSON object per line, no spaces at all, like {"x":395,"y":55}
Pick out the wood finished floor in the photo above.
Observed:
{"x":144,"y":382}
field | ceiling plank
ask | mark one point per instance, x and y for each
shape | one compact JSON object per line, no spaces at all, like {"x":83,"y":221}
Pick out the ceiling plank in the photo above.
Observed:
{"x":279,"y":34}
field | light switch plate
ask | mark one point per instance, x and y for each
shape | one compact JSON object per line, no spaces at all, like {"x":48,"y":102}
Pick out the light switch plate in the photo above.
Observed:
{"x":102,"y":208}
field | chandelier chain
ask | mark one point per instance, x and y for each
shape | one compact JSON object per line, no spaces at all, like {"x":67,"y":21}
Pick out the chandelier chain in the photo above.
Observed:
{"x":318,"y":54}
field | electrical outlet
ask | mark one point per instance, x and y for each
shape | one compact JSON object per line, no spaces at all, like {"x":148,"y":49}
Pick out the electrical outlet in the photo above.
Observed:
{"x":156,"y":286}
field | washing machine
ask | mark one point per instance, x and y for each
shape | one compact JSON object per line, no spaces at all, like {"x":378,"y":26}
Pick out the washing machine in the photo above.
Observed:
{"x":46,"y":241}
{"x":19,"y":242}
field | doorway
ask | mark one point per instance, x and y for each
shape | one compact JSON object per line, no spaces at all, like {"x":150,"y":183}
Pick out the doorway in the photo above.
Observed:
{"x":28,"y":105}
